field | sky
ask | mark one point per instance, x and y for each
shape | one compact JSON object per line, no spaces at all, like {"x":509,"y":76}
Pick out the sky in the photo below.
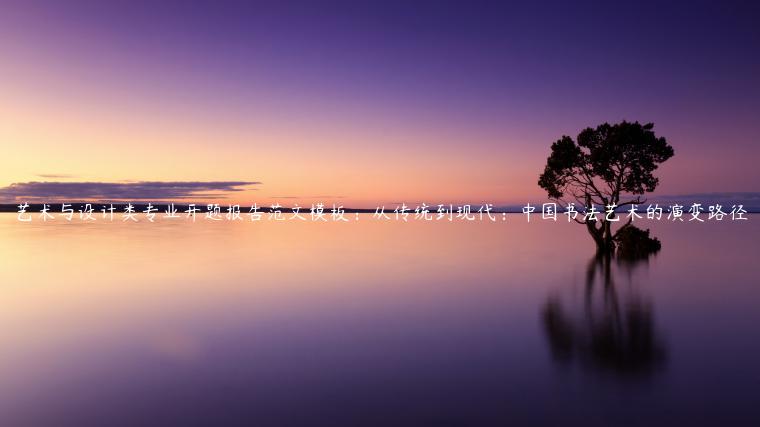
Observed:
{"x":367,"y":103}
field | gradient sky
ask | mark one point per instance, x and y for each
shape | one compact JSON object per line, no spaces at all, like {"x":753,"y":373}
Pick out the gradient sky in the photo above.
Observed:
{"x":430,"y":102}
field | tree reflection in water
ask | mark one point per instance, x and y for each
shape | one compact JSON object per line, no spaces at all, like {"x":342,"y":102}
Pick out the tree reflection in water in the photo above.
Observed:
{"x":611,"y":333}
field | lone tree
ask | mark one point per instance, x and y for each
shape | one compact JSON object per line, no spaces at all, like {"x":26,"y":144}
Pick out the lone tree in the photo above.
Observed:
{"x":610,"y":166}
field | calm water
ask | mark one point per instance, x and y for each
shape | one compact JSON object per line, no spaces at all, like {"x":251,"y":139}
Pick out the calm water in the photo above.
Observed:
{"x":375,"y":323}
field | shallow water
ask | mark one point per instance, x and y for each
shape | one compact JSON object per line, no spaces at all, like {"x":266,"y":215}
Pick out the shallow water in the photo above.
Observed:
{"x":375,"y":323}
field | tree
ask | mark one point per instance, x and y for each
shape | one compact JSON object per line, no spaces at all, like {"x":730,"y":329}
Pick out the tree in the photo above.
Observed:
{"x":610,"y":166}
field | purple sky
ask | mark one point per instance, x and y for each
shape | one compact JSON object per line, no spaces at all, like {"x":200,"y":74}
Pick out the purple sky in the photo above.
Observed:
{"x":469,"y":80}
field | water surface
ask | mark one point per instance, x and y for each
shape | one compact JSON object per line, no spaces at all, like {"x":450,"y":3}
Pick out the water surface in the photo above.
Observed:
{"x":375,"y":323}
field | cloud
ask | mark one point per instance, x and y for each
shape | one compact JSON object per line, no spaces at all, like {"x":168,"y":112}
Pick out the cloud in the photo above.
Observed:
{"x":128,"y":191}
{"x":308,"y":197}
{"x":750,"y":199}
{"x":725,"y":195}
{"x":55,"y":176}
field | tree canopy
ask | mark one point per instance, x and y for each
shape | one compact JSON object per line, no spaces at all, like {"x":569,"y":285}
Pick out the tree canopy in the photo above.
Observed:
{"x":610,"y":165}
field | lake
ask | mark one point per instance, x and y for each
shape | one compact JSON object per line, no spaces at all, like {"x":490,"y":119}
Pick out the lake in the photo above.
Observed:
{"x":375,"y":323}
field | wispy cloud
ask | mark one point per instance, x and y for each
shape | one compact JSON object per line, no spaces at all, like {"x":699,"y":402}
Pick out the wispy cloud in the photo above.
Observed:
{"x":725,"y":195}
{"x":309,"y":197}
{"x":749,"y":199}
{"x":56,"y":175}
{"x":116,"y":191}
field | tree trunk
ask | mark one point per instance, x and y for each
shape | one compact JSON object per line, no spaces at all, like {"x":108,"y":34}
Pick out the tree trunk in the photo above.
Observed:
{"x":609,"y":244}
{"x":602,"y":236}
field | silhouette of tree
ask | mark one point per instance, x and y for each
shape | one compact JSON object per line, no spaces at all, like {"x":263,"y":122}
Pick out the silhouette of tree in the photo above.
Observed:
{"x":611,"y":165}
{"x":614,"y":333}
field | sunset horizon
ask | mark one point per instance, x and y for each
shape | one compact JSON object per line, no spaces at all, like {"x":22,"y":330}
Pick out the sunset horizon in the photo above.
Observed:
{"x":379,"y":213}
